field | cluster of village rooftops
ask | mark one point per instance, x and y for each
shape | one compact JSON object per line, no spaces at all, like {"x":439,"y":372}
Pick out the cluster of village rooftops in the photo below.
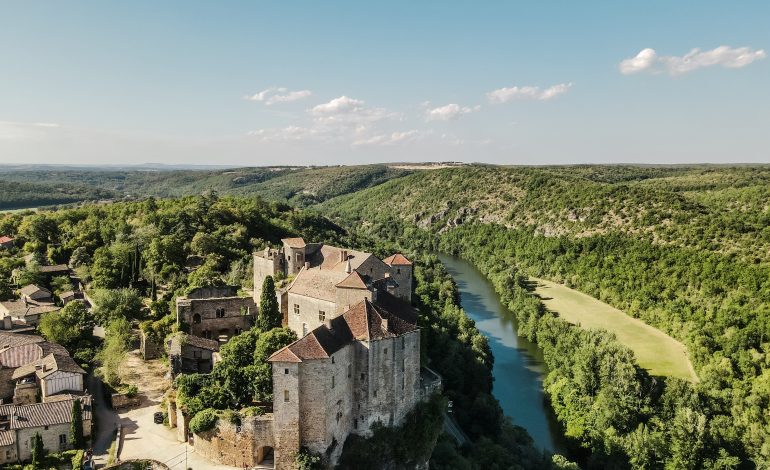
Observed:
{"x":357,"y":361}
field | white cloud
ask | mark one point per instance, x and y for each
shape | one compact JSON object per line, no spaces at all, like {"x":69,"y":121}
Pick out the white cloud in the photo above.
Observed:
{"x":647,"y":60}
{"x":503,"y":95}
{"x":341,"y":105}
{"x":389,"y":139}
{"x":448,"y":112}
{"x":16,"y":130}
{"x":345,"y":111}
{"x":274,"y":95}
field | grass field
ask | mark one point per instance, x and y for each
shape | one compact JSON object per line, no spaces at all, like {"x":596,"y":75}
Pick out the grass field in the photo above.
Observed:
{"x":655,"y":351}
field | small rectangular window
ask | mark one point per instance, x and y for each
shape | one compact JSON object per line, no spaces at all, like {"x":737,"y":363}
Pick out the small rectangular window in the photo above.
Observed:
{"x":296,"y":309}
{"x":286,"y":371}
{"x":386,"y":351}
{"x":62,"y":438}
{"x":332,"y":381}
{"x":321,"y":315}
{"x":350,"y":370}
{"x":285,"y":395}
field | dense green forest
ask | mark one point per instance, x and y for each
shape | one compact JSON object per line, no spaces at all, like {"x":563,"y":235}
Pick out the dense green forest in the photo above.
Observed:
{"x":300,"y":186}
{"x":683,"y":249}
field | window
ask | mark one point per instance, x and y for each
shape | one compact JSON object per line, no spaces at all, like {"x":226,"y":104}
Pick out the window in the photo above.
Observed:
{"x":332,"y":359}
{"x":386,"y":351}
{"x":363,"y":376}
{"x":321,"y":315}
{"x":220,"y":313}
{"x":350,"y":369}
{"x":332,"y":381}
{"x":207,"y":334}
{"x":197,"y":354}
{"x":375,"y":394}
{"x":403,"y":343}
{"x":403,"y":365}
{"x":62,"y":438}
{"x":398,"y":270}
{"x":196,"y":318}
{"x":286,"y":371}
{"x":238,"y":331}
{"x":285,"y":395}
{"x":296,"y":309}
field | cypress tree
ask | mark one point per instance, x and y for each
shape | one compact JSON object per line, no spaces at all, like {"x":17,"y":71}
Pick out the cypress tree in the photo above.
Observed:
{"x":269,"y":314}
{"x":37,"y":451}
{"x":76,"y":426}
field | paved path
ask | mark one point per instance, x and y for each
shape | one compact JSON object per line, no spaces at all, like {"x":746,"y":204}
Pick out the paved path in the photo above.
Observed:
{"x":107,"y":420}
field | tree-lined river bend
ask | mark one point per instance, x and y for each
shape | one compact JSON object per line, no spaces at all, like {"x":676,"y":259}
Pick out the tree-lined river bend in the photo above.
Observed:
{"x":519,"y":368}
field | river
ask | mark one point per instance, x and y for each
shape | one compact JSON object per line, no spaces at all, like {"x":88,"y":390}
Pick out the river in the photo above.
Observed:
{"x":519,"y":367}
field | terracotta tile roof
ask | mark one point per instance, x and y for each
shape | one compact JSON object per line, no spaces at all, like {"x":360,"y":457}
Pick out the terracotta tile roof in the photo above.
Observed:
{"x":297,"y":242}
{"x":397,"y":260}
{"x":43,"y":414}
{"x":363,"y":322}
{"x":5,"y":239}
{"x":330,"y":257}
{"x":7,"y":438}
{"x":353,"y":281}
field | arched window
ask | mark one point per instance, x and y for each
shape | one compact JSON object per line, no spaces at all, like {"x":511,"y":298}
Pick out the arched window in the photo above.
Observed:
{"x":220,"y":313}
{"x":196,"y":318}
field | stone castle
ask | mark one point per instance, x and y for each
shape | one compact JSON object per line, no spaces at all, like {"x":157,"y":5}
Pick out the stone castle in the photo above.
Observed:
{"x":357,"y":361}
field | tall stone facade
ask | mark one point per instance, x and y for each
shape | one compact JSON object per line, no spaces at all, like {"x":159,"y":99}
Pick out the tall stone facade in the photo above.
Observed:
{"x":341,"y":378}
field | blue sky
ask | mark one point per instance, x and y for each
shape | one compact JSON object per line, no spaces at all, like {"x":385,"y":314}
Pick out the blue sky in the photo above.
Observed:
{"x":260,"y":83}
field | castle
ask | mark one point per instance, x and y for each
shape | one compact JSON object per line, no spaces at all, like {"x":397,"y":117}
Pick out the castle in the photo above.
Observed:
{"x":357,"y":361}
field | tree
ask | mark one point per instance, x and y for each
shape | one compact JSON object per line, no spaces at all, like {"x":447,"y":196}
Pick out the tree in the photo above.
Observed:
{"x":114,"y":351}
{"x":69,"y":325}
{"x":269,"y":314}
{"x":110,"y":304}
{"x":60,"y":284}
{"x":76,"y":426}
{"x":38,"y":452}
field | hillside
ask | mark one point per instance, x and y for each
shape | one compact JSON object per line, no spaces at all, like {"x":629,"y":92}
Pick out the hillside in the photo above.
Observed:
{"x":299,"y":186}
{"x":684,"y":249}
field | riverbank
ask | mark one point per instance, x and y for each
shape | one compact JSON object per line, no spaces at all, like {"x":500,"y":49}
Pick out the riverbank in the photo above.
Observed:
{"x":655,"y":351}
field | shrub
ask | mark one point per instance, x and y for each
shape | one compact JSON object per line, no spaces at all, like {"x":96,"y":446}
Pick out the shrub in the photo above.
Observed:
{"x":204,"y":420}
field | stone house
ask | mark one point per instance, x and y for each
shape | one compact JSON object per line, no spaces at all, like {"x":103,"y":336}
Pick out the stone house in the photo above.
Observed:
{"x":20,"y":423}
{"x":16,"y":313}
{"x":33,"y":293}
{"x":216,"y":313}
{"x":190,"y":354}
{"x":52,"y":375}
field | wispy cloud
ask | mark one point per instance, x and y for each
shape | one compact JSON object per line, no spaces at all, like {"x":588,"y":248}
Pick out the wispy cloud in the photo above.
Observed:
{"x":14,"y":130}
{"x":275,"y":95}
{"x":389,"y":139}
{"x":648,"y":60}
{"x":448,"y":112}
{"x":504,"y":95}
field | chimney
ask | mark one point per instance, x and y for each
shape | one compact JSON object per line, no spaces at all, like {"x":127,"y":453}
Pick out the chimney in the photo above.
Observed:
{"x":343,"y":255}
{"x":348,"y":268}
{"x":385,"y":324}
{"x":307,"y":264}
{"x":374,"y":295}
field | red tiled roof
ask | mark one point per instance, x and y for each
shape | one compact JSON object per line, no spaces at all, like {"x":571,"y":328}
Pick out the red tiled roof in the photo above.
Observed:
{"x":363,"y":322}
{"x":6,"y":239}
{"x":44,"y":414}
{"x":353,"y":281}
{"x":397,"y":260}
{"x":297,"y":242}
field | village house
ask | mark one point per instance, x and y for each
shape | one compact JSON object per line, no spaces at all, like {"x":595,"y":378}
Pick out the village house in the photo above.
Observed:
{"x":216,"y":313}
{"x":16,"y":314}
{"x":6,"y":242}
{"x":20,"y":423}
{"x":33,"y":293}
{"x":190,"y":354}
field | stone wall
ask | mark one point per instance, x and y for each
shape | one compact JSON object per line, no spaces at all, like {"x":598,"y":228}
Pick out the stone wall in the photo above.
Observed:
{"x":149,"y":348}
{"x":347,"y":297}
{"x":7,"y":384}
{"x":239,"y":314}
{"x":238,"y":446}
{"x":308,"y":313}
{"x":121,"y":400}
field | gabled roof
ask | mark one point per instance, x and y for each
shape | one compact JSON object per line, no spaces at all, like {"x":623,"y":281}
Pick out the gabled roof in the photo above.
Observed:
{"x":180,"y":340}
{"x":12,"y":340}
{"x":7,"y":438}
{"x":297,"y":242}
{"x":32,"y":289}
{"x":397,"y":260}
{"x":47,"y":366}
{"x":5,"y":239}
{"x":18,"y":309}
{"x":364,"y":321}
{"x":317,"y":283}
{"x":56,"y":268}
{"x":44,"y":414}
{"x":353,"y":281}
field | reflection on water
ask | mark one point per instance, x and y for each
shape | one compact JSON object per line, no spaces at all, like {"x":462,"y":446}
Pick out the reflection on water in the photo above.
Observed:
{"x":519,"y":368}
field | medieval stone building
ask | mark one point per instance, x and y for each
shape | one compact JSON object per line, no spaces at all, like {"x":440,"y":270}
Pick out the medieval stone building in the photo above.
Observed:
{"x":216,"y":313}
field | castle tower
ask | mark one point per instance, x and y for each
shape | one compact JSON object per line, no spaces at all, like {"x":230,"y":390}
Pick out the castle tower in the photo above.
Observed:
{"x":401,"y":272}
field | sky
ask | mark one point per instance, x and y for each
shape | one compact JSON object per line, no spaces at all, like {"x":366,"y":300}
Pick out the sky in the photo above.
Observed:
{"x":254,"y":83}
